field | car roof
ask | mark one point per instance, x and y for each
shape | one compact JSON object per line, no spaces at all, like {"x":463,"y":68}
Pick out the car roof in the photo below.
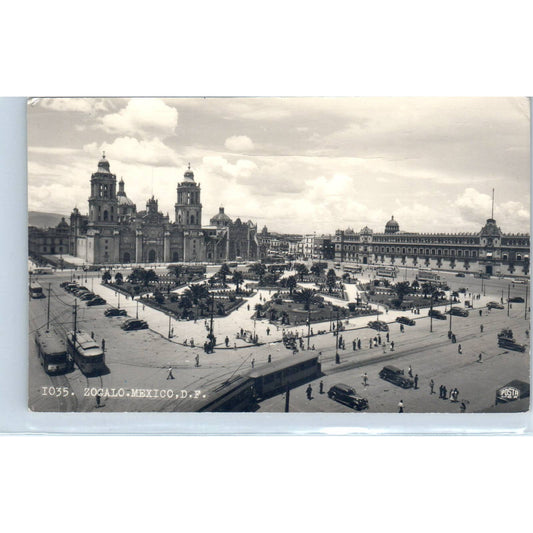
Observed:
{"x":392,"y":368}
{"x":344,"y":387}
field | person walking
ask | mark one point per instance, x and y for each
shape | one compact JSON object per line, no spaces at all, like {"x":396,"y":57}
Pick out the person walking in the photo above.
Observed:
{"x":444,"y":392}
{"x":416,"y":381}
{"x":354,"y":345}
{"x":98,"y":398}
{"x":440,"y":391}
{"x":92,"y":335}
{"x":197,"y":359}
{"x":309,"y":392}
{"x":459,"y":349}
{"x":379,"y":339}
{"x":388,"y":336}
{"x":253,"y":362}
{"x":226,"y":340}
{"x":365,"y":379}
{"x":358,"y":344}
{"x":410,"y":372}
{"x":480,"y":312}
{"x":170,"y":375}
{"x":103,"y":345}
{"x":431,"y":385}
{"x":268,"y":331}
{"x":480,"y":358}
{"x":481,"y":328}
{"x":392,"y":346}
{"x":321,"y":387}
{"x":270,"y":358}
{"x":400,"y":406}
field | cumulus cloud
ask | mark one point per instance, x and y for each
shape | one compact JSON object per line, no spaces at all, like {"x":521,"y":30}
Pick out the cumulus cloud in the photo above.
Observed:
{"x":473,"y":205}
{"x":242,"y":168}
{"x":143,"y":117}
{"x":130,"y":150}
{"x":82,"y":105}
{"x":239,"y":143}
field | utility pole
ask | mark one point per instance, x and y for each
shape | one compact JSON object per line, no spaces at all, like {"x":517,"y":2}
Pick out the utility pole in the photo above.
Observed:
{"x":450,"y":311}
{"x":118,"y":306}
{"x":431,"y":313}
{"x":48,"y":310}
{"x":75,"y":321}
{"x":508,"y":297}
{"x":137,"y":309}
{"x":525,"y":306}
{"x":337,"y":358}
{"x":169,"y":326}
{"x":287,"y":399}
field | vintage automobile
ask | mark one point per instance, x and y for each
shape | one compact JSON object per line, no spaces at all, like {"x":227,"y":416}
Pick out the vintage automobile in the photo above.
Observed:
{"x":516,"y":300}
{"x":85,"y":296}
{"x":494,"y":305}
{"x":345,"y":394}
{"x":458,"y":311}
{"x":396,"y":376}
{"x":378,"y":325}
{"x":97,"y":300}
{"x":512,"y":391}
{"x":405,"y":320}
{"x":133,"y":324}
{"x":435,"y":313}
{"x":113,"y":311}
{"x":460,"y":275}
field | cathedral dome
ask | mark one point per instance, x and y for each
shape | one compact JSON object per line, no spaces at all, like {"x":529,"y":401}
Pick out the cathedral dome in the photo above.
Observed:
{"x":123,"y":200}
{"x":392,"y":226}
{"x":221,"y":219}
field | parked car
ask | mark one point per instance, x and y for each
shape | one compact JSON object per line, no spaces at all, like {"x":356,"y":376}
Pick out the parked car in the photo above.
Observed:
{"x":396,"y":376}
{"x":405,"y":320}
{"x":134,"y":323}
{"x":347,"y":395}
{"x":435,"y":313}
{"x":460,"y":275}
{"x":64,"y":284}
{"x":516,"y":300}
{"x":69,"y":287}
{"x":494,"y":305}
{"x":97,"y":300}
{"x":113,"y":311}
{"x":511,"y":344}
{"x":87,"y":296}
{"x":458,"y":311}
{"x":378,"y":325}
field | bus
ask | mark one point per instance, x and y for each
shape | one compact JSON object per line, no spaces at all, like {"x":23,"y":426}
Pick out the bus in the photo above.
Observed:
{"x":353,"y":269}
{"x":43,"y":270}
{"x":388,"y":272}
{"x":36,"y":291}
{"x":427,"y":275}
{"x":86,"y":353}
{"x":52,"y":352}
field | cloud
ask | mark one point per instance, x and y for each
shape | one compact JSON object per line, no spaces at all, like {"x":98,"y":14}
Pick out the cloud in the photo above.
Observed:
{"x":82,"y":105}
{"x":243,"y":168}
{"x":130,"y":150}
{"x":239,"y":143}
{"x":473,"y":206}
{"x":149,"y":117}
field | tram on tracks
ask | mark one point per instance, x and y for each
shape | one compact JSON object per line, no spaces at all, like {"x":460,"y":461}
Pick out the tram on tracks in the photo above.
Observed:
{"x":52,"y":352}
{"x":86,"y":353}
{"x":387,"y":272}
{"x":242,"y":393}
{"x":36,"y":291}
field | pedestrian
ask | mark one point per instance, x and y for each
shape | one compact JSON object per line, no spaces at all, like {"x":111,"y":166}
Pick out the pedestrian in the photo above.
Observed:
{"x":481,"y":328}
{"x":103,"y":345}
{"x":268,"y":331}
{"x":440,"y":392}
{"x":410,"y":371}
{"x":354,"y":345}
{"x":401,"y":328}
{"x":170,"y":375}
{"x":98,"y":397}
{"x":480,"y":357}
{"x":321,"y":387}
{"x":459,"y":349}
{"x":387,"y":336}
{"x":444,"y":392}
{"x":192,"y":342}
{"x":370,"y":343}
{"x":416,"y":381}
{"x":197,"y":359}
{"x":358,"y":344}
{"x":480,"y":312}
{"x":431,"y":385}
{"x":527,"y":333}
{"x":92,"y":335}
{"x":309,"y":392}
{"x":365,"y":379}
{"x":392,"y":346}
{"x":270,"y":358}
{"x":400,"y":406}
{"x":234,"y":345}
{"x":379,"y":339}
{"x":253,"y":362}
{"x":226,"y":340}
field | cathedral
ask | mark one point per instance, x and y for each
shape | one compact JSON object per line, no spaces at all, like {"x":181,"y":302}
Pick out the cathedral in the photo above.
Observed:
{"x":115,"y":232}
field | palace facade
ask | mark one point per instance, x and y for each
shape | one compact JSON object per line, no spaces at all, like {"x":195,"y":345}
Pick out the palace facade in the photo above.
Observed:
{"x":490,"y":251}
{"x":115,"y":232}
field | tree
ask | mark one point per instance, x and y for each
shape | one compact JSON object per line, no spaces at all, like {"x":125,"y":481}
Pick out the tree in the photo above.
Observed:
{"x":185,"y":302}
{"x":106,"y":277}
{"x":318,"y":268}
{"x":401,"y":289}
{"x":259,"y":269}
{"x":149,"y":277}
{"x":224,"y":272}
{"x":158,"y":297}
{"x":237,"y":279}
{"x":291,"y":283}
{"x":305,"y":296}
{"x":331,"y":279}
{"x":137,"y":275}
{"x":178,"y":272}
{"x":302,"y":270}
{"x":119,"y":278}
{"x":427,"y":288}
{"x":197,"y":292}
{"x":415,"y":284}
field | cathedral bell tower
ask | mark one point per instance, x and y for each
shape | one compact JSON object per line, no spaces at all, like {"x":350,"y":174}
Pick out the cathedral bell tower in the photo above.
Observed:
{"x":188,"y":209}
{"x":103,"y":204}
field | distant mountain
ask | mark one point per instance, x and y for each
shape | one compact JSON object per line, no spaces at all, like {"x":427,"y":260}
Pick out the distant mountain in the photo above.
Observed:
{"x":44,"y":220}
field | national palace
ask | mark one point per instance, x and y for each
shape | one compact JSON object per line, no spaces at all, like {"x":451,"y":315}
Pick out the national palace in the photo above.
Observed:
{"x":115,"y":232}
{"x":490,"y":251}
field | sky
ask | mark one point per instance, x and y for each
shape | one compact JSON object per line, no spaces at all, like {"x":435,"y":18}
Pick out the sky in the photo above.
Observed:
{"x":296,"y":165}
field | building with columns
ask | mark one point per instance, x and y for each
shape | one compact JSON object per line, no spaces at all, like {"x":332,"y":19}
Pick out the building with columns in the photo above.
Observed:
{"x":489,"y":251}
{"x":115,"y":232}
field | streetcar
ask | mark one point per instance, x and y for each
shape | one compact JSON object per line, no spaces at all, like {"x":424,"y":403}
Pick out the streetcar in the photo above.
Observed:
{"x":86,"y":353}
{"x":36,"y":291}
{"x":272,"y":378}
{"x":388,"y":272}
{"x":427,"y":275}
{"x":352,"y":269}
{"x":236,"y":394}
{"x":52,"y":352}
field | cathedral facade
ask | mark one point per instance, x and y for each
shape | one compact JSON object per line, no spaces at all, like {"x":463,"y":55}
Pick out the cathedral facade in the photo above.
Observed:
{"x":115,"y":232}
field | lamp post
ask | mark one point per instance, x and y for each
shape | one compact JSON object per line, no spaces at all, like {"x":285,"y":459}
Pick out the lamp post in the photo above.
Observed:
{"x":337,"y":358}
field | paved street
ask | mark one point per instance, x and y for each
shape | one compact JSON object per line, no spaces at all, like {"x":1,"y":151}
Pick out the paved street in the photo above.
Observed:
{"x":141,"y":359}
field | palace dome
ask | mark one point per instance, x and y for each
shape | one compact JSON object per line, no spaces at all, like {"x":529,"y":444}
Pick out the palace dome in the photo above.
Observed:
{"x":392,"y":226}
